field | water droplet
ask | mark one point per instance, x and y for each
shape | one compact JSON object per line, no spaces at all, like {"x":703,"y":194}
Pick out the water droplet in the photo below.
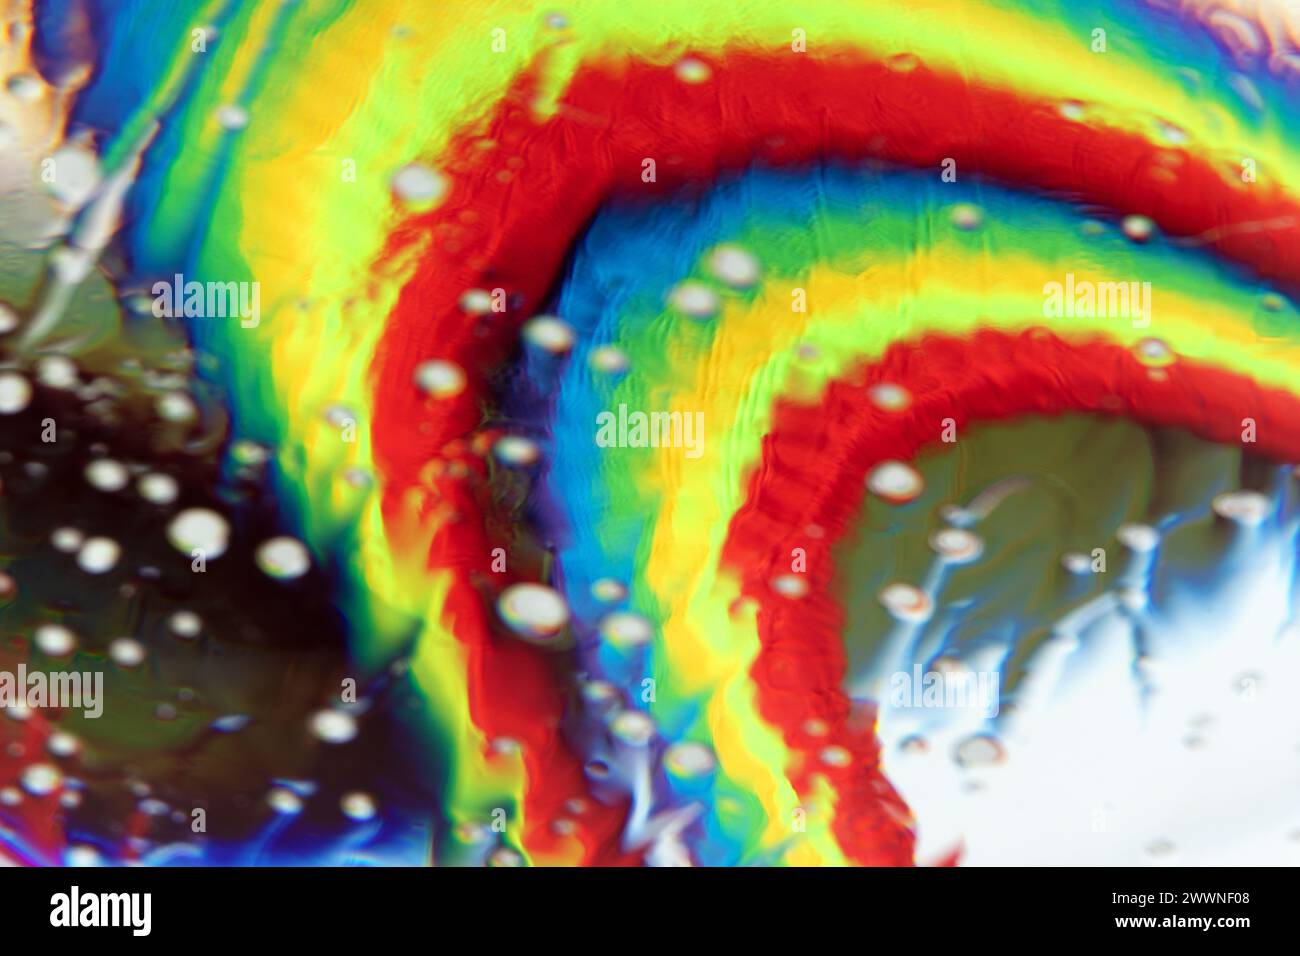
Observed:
{"x":15,"y":393}
{"x":689,"y":759}
{"x":67,"y":540}
{"x":1244,"y":507}
{"x":55,"y":640}
{"x":626,"y":630}
{"x":1138,"y":228}
{"x":62,"y":744}
{"x":734,"y":266}
{"x":57,"y":371}
{"x":232,"y":117}
{"x":691,"y":70}
{"x":1138,"y":537}
{"x":967,"y":217}
{"x":896,"y":482}
{"x":199,"y":529}
{"x":176,"y":407}
{"x":439,"y":379}
{"x":549,"y":334}
{"x":419,"y":185}
{"x":816,"y":727}
{"x":106,"y":474}
{"x":534,"y":611}
{"x":906,"y":602}
{"x":358,"y":806}
{"x":334,"y":726}
{"x":185,"y":624}
{"x":283,"y":558}
{"x":1076,"y":562}
{"x":285,"y":801}
{"x":836,"y":756}
{"x":1154,"y":353}
{"x":476,"y":301}
{"x":82,"y":855}
{"x":790,"y":585}
{"x":608,"y":590}
{"x":889,"y":397}
{"x":41,"y":779}
{"x":956,"y":545}
{"x":98,"y":555}
{"x":632,"y":727}
{"x":1072,"y":110}
{"x":696,"y":300}
{"x":979,"y":750}
{"x":609,"y":359}
{"x":127,"y":652}
{"x":158,"y":488}
{"x":516,"y":451}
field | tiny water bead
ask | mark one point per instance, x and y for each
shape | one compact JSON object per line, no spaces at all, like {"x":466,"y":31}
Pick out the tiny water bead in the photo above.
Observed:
{"x":232,"y":117}
{"x":127,"y":652}
{"x":836,"y":756}
{"x":55,"y":640}
{"x":1138,"y":537}
{"x":359,"y":806}
{"x":967,"y":217}
{"x":106,"y":474}
{"x":549,"y":334}
{"x":98,"y":555}
{"x":41,"y":779}
{"x":284,"y":801}
{"x":695,"y":300}
{"x":1076,"y":562}
{"x":895,"y":482}
{"x":889,"y":397}
{"x":516,"y":451}
{"x":1138,"y":228}
{"x":439,"y":379}
{"x":689,"y":759}
{"x":1154,"y":353}
{"x":906,"y":602}
{"x":334,"y":726}
{"x":633,"y":727}
{"x":790,"y":585}
{"x":626,"y":630}
{"x":185,"y":624}
{"x":693,"y":71}
{"x":533,"y":610}
{"x":283,"y":558}
{"x":956,"y":545}
{"x":1242,"y":507}
{"x":15,"y":393}
{"x":609,"y":359}
{"x":419,"y":185}
{"x":735,"y":267}
{"x":476,"y":302}
{"x":57,"y":372}
{"x":158,"y":488}
{"x":979,"y":750}
{"x":608,"y":590}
